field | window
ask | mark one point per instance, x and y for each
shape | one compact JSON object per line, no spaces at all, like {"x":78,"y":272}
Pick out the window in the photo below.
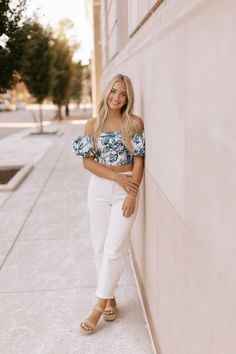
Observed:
{"x":139,"y":11}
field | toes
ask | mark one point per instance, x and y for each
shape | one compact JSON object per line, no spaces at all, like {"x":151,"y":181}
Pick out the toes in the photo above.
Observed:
{"x":86,"y":327}
{"x":109,"y":312}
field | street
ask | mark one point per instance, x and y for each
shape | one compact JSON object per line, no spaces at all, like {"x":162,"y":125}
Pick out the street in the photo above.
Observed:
{"x":15,"y":121}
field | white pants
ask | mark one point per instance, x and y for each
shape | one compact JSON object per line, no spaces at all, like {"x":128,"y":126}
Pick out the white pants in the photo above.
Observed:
{"x":110,"y":232}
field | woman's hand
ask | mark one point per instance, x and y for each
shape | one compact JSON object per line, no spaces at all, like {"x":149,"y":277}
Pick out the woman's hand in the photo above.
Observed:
{"x":132,"y":186}
{"x":122,"y":180}
{"x":125,"y":182}
{"x":129,"y":205}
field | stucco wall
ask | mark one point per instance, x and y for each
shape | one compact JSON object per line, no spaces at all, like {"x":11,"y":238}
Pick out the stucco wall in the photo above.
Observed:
{"x":182,"y":64}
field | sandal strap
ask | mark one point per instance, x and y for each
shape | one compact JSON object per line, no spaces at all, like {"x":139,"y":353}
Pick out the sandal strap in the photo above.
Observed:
{"x":109,"y":308}
{"x":99,"y":309}
{"x":89,"y":323}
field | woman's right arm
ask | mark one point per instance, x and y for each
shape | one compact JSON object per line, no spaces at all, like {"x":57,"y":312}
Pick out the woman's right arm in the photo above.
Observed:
{"x":97,"y":169}
{"x":102,"y":171}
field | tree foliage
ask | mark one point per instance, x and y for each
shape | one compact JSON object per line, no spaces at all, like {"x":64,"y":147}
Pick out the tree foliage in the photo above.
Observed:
{"x":64,"y":48}
{"x":12,"y":49}
{"x":37,"y":71}
{"x":76,"y":81}
{"x":62,"y":73}
{"x":36,"y":56}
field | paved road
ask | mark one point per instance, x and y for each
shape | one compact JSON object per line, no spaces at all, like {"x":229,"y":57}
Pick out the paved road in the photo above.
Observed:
{"x":48,"y":275}
{"x":13,"y":122}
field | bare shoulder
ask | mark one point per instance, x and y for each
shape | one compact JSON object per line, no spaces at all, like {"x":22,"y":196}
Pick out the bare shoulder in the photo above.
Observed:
{"x":140,"y":122}
{"x":88,"y":129}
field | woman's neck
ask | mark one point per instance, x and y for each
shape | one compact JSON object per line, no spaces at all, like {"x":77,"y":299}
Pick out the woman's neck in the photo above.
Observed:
{"x":114,"y":115}
{"x":112,"y":122}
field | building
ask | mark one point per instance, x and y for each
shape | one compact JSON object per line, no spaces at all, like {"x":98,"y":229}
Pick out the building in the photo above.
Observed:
{"x":180,"y":56}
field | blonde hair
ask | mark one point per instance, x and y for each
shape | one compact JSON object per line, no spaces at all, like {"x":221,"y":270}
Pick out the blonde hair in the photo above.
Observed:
{"x":129,"y":126}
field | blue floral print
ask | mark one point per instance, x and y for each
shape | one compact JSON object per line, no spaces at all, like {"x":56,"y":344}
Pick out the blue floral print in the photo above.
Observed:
{"x":110,"y":146}
{"x":83,"y":146}
{"x":138,"y":144}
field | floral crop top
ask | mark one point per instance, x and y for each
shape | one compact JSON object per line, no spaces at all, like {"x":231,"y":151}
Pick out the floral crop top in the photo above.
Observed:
{"x":110,"y":148}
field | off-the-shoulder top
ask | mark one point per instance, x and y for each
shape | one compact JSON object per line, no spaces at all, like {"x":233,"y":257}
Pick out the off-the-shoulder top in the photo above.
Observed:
{"x":110,"y":148}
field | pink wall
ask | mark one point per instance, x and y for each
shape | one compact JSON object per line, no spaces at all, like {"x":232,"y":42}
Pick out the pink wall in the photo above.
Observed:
{"x":182,"y":64}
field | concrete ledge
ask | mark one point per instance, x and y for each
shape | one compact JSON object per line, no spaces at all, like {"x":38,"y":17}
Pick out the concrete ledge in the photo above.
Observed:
{"x":18,"y":178}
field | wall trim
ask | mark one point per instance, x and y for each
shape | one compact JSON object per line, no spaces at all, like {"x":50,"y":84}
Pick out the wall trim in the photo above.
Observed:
{"x":146,"y":17}
{"x":159,"y":25}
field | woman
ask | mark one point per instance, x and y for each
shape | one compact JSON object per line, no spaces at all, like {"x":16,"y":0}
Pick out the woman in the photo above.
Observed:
{"x":113,"y":151}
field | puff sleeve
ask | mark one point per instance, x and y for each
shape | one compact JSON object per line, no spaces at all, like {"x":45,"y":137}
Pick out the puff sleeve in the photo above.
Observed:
{"x":83,"y":146}
{"x":138,"y":141}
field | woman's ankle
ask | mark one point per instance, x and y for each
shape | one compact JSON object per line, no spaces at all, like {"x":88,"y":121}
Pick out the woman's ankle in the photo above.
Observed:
{"x":101,"y":302}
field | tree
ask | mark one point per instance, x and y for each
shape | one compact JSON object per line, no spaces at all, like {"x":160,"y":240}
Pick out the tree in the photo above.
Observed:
{"x":67,"y":73}
{"x":62,"y":74}
{"x":13,"y":38}
{"x":76,"y":81}
{"x":37,"y":72}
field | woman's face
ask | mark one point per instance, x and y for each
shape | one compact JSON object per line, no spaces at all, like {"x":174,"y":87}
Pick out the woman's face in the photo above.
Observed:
{"x":117,"y":96}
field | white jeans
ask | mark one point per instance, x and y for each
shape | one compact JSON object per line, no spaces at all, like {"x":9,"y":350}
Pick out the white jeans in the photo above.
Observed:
{"x":110,"y":232}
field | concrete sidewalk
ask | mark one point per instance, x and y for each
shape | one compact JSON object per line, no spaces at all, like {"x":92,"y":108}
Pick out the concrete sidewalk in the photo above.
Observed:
{"x":47,"y":275}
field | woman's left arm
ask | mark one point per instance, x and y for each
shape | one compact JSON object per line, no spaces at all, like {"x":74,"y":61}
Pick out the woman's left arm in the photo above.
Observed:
{"x":135,"y":180}
{"x":130,"y":200}
{"x":137,"y":172}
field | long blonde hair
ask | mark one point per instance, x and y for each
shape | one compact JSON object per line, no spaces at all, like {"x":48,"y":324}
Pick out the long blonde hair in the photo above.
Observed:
{"x":129,"y":126}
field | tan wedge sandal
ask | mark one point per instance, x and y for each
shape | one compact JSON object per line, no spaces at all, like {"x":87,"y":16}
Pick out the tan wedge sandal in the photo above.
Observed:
{"x":89,"y":323}
{"x":113,"y":309}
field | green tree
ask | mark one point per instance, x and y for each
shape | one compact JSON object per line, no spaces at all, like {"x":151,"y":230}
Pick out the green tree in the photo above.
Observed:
{"x":62,"y":74}
{"x":13,"y":38}
{"x":67,"y":73}
{"x":76,"y":82}
{"x":37,"y":72}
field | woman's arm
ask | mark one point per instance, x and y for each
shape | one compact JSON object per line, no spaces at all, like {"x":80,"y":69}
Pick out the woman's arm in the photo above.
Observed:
{"x":138,"y":161}
{"x":97,"y":169}
{"x":102,"y":171}
{"x":137,"y":172}
{"x":130,"y":201}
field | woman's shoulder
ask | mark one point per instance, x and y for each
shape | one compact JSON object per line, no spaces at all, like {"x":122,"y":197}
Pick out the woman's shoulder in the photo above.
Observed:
{"x":139,"y":122}
{"x":89,"y":126}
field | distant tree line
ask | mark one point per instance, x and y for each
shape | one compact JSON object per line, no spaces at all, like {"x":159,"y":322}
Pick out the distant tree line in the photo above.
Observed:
{"x":37,"y":56}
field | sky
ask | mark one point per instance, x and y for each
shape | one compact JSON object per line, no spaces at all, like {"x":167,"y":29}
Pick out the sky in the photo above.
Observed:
{"x":52,"y":11}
